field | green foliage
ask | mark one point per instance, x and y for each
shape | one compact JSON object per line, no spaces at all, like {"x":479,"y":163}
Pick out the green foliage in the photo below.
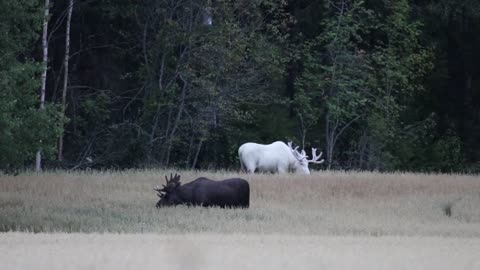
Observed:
{"x":377,"y":85}
{"x":23,"y":127}
{"x":363,"y":71}
{"x":446,"y":154}
{"x":400,"y":63}
{"x":198,"y":78}
{"x":337,"y":69}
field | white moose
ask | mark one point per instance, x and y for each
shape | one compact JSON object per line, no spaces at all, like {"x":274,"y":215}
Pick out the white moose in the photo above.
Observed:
{"x":275,"y":157}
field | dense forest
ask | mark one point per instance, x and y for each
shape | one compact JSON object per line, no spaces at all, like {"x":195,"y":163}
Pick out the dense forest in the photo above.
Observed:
{"x":376,"y":84}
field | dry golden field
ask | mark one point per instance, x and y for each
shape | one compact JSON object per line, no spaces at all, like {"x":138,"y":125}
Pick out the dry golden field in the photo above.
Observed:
{"x":324,"y":203}
{"x":327,"y":220}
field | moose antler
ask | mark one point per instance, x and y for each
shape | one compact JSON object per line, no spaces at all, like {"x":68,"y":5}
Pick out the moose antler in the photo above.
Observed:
{"x":291,"y":147}
{"x":315,"y":157}
{"x":159,"y":191}
{"x":298,"y":155}
{"x":301,"y":155}
{"x":173,"y":179}
{"x":171,"y":183}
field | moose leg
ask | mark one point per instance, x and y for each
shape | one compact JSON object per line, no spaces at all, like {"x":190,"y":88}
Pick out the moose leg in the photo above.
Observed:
{"x":249,"y":167}
{"x":281,"y":169}
{"x":242,"y":166}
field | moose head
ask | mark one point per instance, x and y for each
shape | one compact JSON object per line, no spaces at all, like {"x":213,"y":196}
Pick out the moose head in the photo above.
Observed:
{"x":168,"y":193}
{"x":302,"y":158}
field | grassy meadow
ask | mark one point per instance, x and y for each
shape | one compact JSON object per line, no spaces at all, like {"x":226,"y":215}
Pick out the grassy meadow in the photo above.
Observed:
{"x":327,"y":220}
{"x":326,"y":203}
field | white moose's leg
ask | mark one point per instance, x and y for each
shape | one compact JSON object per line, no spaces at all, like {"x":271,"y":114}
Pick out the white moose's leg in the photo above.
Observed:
{"x":242,"y":166}
{"x":249,"y":168}
{"x":281,"y":169}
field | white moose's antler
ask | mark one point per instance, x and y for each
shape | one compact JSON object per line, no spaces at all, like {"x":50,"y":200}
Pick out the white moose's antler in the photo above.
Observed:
{"x":291,"y":147}
{"x":298,"y":155}
{"x":315,"y":157}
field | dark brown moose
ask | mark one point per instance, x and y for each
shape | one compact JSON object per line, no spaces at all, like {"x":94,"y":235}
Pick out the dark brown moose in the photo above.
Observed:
{"x":234,"y":192}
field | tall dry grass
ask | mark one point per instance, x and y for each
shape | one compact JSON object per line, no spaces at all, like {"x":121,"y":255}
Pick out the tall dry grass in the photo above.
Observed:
{"x":324,"y":203}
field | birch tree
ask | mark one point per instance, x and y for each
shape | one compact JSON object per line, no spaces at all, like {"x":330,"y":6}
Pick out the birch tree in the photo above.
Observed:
{"x":38,"y":161}
{"x":65,"y":75}
{"x":336,"y":70}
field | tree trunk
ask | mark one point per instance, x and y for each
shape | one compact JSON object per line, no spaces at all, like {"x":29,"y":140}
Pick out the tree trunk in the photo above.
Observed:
{"x":303,"y":129}
{"x":362,"y":159}
{"x":177,"y":121}
{"x":292,"y":74}
{"x":194,"y":164}
{"x":65,"y":76}
{"x":189,"y":155}
{"x":38,"y":161}
{"x":329,"y":138}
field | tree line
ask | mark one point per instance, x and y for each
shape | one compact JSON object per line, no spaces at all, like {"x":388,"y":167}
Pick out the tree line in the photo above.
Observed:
{"x":376,"y":84}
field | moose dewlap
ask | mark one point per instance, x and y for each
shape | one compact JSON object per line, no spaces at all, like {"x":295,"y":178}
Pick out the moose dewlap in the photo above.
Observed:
{"x":234,"y":192}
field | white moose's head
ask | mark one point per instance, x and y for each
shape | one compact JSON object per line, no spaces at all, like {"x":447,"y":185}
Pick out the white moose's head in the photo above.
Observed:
{"x":302,"y":158}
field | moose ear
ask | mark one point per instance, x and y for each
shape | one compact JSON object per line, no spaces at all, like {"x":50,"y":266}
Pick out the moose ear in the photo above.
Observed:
{"x":177,"y":184}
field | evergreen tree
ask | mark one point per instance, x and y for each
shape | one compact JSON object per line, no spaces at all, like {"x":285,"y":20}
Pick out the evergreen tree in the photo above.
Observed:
{"x":23,"y":128}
